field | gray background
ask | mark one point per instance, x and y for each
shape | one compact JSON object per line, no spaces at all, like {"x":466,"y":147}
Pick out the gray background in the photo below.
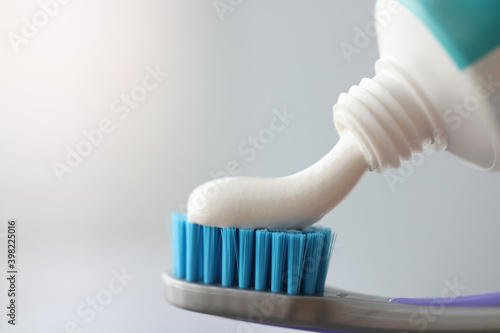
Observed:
{"x":226,"y":76}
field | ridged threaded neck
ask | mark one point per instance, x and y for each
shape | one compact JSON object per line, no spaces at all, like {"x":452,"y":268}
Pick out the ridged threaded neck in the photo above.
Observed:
{"x":390,"y":116}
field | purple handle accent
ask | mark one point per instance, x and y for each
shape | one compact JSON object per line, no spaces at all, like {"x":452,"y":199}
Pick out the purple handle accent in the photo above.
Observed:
{"x":492,"y":299}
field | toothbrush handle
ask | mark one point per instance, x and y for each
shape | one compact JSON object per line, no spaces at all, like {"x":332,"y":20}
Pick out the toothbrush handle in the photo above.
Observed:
{"x":491,"y":299}
{"x":482,"y":300}
{"x":338,"y":310}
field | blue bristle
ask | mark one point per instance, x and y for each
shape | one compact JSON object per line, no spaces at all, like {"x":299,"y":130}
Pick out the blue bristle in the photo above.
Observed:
{"x":193,"y":237}
{"x":262,"y":254}
{"x":245,"y":255}
{"x":211,"y":254}
{"x":326,"y":252}
{"x":219,"y":259}
{"x":201,"y":256}
{"x":278,"y":259}
{"x":296,"y":244}
{"x":228,"y":256}
{"x":312,"y":258}
{"x":179,"y":244}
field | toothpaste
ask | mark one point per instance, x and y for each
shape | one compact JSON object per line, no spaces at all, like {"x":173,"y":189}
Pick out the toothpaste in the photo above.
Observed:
{"x":295,"y":201}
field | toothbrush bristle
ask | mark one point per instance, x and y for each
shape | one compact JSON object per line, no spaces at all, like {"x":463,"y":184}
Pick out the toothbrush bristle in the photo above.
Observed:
{"x":262,"y":255}
{"x":326,"y":253}
{"x":277,"y":260}
{"x":313,"y":251}
{"x":193,"y":252}
{"x":179,"y":245}
{"x":211,"y":254}
{"x":228,"y":256}
{"x":295,"y":263}
{"x":246,"y":242}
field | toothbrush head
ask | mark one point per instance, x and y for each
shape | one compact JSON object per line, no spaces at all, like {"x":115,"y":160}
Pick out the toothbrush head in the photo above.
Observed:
{"x":294,"y":261}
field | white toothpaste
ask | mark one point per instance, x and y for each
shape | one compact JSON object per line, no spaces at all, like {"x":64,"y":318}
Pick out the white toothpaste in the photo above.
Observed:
{"x":295,"y":201}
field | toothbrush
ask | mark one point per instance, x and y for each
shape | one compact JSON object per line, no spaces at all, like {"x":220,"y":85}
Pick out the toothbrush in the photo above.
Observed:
{"x":277,"y":277}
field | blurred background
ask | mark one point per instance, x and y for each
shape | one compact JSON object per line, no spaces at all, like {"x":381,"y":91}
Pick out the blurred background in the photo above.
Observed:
{"x":112,"y":112}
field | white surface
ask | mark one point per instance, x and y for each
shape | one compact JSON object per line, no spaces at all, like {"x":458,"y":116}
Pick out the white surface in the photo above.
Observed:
{"x":440,"y":222}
